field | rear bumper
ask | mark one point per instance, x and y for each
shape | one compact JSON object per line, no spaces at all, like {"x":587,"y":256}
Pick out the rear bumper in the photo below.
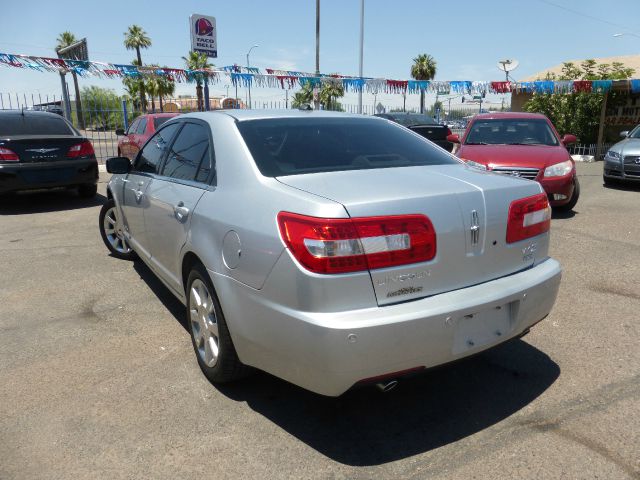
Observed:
{"x":35,"y":176}
{"x":330,"y":352}
{"x":559,"y":186}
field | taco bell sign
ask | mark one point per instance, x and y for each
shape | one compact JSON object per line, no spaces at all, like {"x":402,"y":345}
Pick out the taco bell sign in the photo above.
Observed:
{"x":203,"y":34}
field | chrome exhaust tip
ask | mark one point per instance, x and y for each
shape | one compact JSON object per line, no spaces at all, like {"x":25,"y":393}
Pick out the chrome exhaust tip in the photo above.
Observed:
{"x":385,"y":387}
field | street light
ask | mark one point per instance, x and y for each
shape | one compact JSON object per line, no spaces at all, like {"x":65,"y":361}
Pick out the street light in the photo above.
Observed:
{"x":249,"y":83}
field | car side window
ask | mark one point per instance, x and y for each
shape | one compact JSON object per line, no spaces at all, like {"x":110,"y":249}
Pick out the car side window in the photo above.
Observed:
{"x":151,"y":155}
{"x":185,"y":158}
{"x":205,"y":166}
{"x":142,"y":126}
{"x":133,"y":127}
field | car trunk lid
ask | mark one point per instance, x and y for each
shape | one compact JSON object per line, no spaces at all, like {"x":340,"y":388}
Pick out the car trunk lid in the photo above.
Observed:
{"x":467,"y":207}
{"x":431,"y":132}
{"x":38,"y":149}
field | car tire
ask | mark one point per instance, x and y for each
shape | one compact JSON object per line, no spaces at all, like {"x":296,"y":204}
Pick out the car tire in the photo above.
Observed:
{"x":88,"y":191}
{"x":610,"y":182}
{"x":112,"y":234}
{"x":574,"y":199}
{"x":210,"y":335}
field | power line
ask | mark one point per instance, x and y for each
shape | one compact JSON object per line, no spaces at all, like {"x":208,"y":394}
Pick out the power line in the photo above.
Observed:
{"x":586,"y":15}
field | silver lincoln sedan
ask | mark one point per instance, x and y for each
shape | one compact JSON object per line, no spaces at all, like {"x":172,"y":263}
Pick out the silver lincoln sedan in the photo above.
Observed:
{"x":330,"y":249}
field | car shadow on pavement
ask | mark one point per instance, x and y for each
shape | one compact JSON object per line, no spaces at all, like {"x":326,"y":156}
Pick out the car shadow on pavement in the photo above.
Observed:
{"x":46,"y":201}
{"x":563,"y":214}
{"x":365,"y":427}
{"x":168,"y":299}
{"x":626,"y":187}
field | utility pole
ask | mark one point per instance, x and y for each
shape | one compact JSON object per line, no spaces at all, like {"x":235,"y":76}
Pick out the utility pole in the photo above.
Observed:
{"x":316,"y":93}
{"x":361,"y":53}
{"x":249,"y":83}
{"x":65,"y":98}
{"x":286,"y":98}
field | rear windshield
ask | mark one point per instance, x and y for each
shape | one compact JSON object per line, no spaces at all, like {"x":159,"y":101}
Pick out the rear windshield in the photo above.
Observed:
{"x":293,"y":146}
{"x":412,"y":120}
{"x":11,"y":125}
{"x":511,"y":132}
{"x":157,"y":121}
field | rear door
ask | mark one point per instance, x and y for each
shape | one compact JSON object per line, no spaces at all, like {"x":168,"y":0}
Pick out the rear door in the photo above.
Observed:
{"x":135,"y":185}
{"x":139,"y":138}
{"x":125,"y":144}
{"x":173,"y":197}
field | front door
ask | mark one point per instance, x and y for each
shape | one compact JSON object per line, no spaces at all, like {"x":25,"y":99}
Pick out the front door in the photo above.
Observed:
{"x":136,"y":184}
{"x":173,"y":197}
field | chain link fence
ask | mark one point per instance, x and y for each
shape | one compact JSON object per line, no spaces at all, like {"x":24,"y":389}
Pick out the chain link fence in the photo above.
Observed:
{"x":103,"y":112}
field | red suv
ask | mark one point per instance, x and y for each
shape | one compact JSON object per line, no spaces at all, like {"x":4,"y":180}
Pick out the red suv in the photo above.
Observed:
{"x":524,"y":145}
{"x":131,"y":141}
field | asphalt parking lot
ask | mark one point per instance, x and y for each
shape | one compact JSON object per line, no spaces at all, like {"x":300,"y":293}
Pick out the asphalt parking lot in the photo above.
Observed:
{"x":98,"y":378}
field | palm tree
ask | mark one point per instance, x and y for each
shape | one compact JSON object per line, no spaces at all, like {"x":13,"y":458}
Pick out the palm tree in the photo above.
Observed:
{"x":302,"y":97}
{"x":329,"y":94}
{"x":136,"y":38}
{"x":151,"y":87}
{"x":166,"y":88}
{"x":423,"y":68}
{"x":198,"y":61}
{"x":66,"y":39}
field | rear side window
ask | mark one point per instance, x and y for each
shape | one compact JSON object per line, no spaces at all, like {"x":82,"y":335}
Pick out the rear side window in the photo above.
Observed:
{"x":292,"y":146}
{"x":133,"y":128}
{"x":142,"y":126}
{"x":186,"y":154}
{"x":150,"y":156}
{"x":16,"y":124}
{"x":157,"y":121}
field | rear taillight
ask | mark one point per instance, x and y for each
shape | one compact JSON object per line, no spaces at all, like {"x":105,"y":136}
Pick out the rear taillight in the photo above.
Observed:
{"x":528,"y":217}
{"x":7,"y":155}
{"x":84,"y":149}
{"x":339,"y":245}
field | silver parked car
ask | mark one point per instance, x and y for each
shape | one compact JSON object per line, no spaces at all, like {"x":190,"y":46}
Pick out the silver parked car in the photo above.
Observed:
{"x":622,"y":161}
{"x":330,"y":249}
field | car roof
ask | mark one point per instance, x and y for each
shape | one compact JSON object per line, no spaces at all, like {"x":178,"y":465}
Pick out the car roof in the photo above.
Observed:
{"x":160,"y":115}
{"x":29,"y":113}
{"x":242,"y":115}
{"x":512,"y":115}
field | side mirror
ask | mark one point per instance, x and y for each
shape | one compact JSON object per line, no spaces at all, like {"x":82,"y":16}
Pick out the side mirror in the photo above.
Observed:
{"x":120,"y":131}
{"x":569,"y":139}
{"x":118,"y":165}
{"x":453,"y":138}
{"x":624,"y":134}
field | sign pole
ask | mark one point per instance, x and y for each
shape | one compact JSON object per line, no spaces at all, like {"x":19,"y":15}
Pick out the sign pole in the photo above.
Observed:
{"x":361,"y":53}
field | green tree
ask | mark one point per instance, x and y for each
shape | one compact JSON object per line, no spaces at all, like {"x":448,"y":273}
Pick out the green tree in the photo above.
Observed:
{"x":66,"y":39}
{"x":302,"y":97}
{"x":136,"y":38}
{"x":423,"y":68}
{"x":198,"y":61}
{"x":329,"y":94}
{"x":166,"y":87}
{"x":579,"y":113}
{"x":105,"y":106}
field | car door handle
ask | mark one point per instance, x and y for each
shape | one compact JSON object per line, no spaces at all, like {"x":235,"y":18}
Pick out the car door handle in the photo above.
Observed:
{"x":181,"y":212}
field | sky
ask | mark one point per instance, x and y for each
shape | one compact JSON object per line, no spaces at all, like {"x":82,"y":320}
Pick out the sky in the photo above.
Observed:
{"x":466,"y":38}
